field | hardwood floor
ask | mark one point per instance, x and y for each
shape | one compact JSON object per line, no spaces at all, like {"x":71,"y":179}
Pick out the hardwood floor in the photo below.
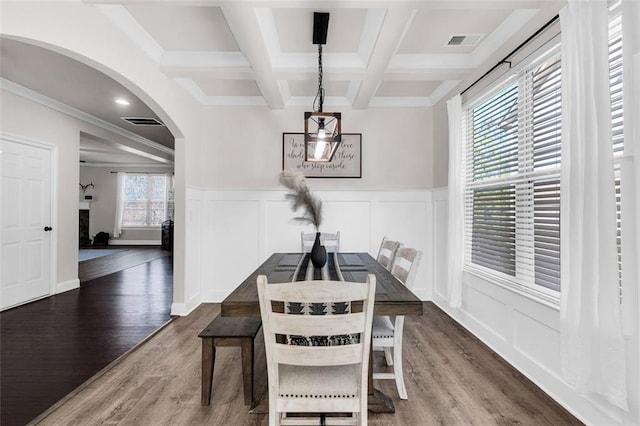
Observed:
{"x":452,"y":379}
{"x":52,"y":346}
{"x":95,"y":268}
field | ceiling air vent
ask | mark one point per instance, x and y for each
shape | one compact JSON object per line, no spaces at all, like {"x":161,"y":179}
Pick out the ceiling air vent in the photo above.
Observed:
{"x":464,"y":40}
{"x":143,"y":121}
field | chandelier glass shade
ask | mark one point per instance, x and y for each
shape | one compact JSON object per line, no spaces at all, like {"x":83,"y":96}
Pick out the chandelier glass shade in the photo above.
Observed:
{"x":322,"y":135}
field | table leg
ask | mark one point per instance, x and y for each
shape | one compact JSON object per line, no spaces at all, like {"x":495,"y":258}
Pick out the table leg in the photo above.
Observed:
{"x":377,"y":401}
{"x":247,"y":370}
{"x":208,"y":356}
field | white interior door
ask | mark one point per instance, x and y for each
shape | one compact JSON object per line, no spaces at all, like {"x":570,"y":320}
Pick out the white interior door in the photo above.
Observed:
{"x":25,"y":223}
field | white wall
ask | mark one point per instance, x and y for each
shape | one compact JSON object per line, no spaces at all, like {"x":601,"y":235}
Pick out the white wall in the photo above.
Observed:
{"x":440,"y":145}
{"x":243,"y":147}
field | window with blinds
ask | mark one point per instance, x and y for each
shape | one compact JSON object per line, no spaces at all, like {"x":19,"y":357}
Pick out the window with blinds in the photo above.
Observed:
{"x":512,"y":209}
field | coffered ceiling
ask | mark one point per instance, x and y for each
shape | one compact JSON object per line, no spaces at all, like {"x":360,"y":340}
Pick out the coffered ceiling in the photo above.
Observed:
{"x":260,"y":53}
{"x":378,"y":53}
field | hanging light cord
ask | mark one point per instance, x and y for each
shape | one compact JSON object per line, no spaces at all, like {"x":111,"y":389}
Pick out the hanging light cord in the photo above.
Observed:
{"x":319,"y":99}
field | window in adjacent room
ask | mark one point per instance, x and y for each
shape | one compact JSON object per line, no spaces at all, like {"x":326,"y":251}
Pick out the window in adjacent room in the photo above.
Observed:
{"x":148,"y":200}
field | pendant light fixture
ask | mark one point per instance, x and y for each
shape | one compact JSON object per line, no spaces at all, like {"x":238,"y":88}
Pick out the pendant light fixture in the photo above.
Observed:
{"x":322,"y":130}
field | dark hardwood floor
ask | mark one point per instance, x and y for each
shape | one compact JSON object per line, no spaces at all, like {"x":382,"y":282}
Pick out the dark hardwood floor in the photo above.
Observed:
{"x":95,"y":268}
{"x":52,"y":346}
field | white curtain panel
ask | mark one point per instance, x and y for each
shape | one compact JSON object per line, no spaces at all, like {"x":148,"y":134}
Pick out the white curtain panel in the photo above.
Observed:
{"x":117,"y":227}
{"x":169,"y":188}
{"x":592,"y":345}
{"x":455,"y":235}
{"x":630,"y":170}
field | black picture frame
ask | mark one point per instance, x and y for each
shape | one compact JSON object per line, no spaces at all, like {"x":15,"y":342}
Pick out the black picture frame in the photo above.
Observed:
{"x":347,"y":161}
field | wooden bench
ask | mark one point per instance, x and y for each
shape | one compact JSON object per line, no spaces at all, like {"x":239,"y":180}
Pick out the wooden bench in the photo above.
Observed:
{"x":229,"y":331}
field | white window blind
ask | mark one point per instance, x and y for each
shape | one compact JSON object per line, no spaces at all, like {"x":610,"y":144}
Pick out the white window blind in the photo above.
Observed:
{"x":615,"y":74}
{"x":617,"y":113}
{"x":512,"y":203}
{"x":546,"y":139}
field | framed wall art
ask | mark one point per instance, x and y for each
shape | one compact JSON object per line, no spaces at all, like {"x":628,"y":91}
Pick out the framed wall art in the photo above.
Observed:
{"x":346,"y":163}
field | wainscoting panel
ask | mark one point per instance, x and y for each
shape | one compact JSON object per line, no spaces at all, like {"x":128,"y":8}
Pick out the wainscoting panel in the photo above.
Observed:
{"x":193,"y":251}
{"x":230,"y":232}
{"x":402,"y":221}
{"x":440,"y":232}
{"x":407,"y":221}
{"x":487,"y":311}
{"x":284,"y":235}
{"x":353,"y":220}
{"x":537,"y":341}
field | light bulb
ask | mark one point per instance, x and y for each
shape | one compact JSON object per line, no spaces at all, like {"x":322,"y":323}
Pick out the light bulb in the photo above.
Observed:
{"x":320,"y":147}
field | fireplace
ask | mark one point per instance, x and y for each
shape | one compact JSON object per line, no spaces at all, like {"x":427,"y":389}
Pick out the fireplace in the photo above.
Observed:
{"x":84,"y":240}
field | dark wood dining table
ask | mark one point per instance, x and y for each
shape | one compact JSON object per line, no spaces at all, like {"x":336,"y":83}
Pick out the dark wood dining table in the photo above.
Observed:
{"x":392,"y":297}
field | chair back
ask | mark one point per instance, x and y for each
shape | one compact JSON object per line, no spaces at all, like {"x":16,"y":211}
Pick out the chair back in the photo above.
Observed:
{"x":284,"y":359}
{"x":331,"y":242}
{"x":405,"y":265}
{"x":387,"y":252}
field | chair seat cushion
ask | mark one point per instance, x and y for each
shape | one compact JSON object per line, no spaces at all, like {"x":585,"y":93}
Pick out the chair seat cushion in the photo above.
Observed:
{"x":321,"y":382}
{"x":382,"y":327}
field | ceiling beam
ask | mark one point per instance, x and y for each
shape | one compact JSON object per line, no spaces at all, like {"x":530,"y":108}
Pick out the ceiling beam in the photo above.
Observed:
{"x":394,"y":27}
{"x":243,"y":23}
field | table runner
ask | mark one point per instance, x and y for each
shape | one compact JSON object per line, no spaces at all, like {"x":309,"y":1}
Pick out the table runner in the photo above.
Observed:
{"x":306,"y":270}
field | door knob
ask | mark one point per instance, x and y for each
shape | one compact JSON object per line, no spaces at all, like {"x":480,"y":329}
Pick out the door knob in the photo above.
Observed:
{"x":48,"y":228}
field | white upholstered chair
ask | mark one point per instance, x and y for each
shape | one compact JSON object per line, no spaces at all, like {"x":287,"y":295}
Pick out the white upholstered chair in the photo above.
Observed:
{"x":387,"y":251}
{"x":387,"y":331}
{"x":331,"y":242}
{"x":317,"y":379}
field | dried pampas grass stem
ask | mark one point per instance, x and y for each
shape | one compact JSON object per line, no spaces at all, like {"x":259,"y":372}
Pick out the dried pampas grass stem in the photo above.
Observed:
{"x":300,"y":196}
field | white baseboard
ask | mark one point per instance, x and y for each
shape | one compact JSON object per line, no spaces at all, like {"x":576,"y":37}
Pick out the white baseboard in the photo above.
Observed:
{"x":67,"y":285}
{"x":423,"y":295}
{"x":182,"y":309}
{"x":214,"y":296}
{"x":134,"y":242}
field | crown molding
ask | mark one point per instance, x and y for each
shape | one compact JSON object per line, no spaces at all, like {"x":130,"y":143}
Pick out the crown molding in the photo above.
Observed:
{"x":41,"y":99}
{"x":128,"y":165}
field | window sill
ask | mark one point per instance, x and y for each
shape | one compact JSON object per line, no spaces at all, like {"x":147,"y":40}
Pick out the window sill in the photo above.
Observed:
{"x":141,"y":228}
{"x":548,"y":298}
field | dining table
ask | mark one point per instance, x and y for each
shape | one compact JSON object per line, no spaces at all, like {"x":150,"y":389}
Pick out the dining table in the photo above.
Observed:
{"x":392,"y":296}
